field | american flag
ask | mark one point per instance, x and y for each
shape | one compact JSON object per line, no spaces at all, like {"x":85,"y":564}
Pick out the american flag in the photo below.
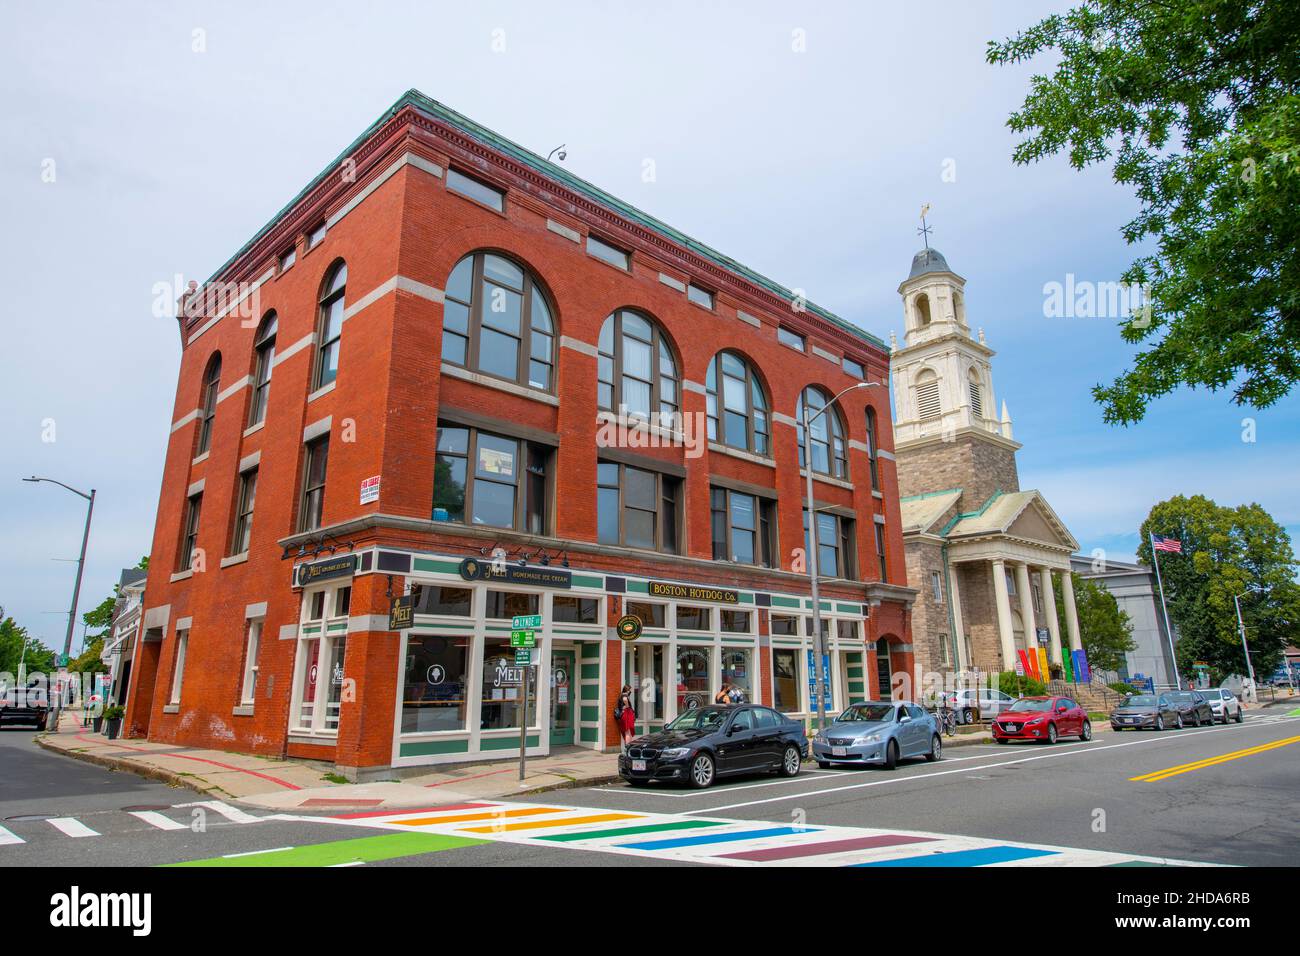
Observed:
{"x":1161,"y":543}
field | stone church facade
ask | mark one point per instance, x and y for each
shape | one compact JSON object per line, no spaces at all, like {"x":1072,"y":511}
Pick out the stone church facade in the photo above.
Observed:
{"x":982,"y":551}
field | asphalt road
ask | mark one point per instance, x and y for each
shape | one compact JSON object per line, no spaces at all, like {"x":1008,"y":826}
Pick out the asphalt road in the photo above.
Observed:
{"x":1239,"y":811}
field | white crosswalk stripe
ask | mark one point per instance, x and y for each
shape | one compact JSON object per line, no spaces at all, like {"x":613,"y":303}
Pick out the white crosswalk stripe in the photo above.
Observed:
{"x":8,"y":838}
{"x":156,"y":819}
{"x":233,"y":814}
{"x":71,"y":826}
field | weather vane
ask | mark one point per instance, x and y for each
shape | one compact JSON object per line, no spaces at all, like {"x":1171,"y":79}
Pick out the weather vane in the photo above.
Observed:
{"x":924,"y":231}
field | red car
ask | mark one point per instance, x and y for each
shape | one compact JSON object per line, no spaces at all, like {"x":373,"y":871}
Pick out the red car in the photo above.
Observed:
{"x":1044,"y":719}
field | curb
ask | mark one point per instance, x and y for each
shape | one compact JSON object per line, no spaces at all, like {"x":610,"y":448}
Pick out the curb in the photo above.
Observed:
{"x":140,"y":770}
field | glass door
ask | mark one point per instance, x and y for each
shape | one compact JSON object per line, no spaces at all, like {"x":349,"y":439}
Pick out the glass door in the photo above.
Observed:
{"x":562,"y":684}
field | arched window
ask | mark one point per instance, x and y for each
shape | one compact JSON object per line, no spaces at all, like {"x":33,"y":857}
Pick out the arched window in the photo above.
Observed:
{"x":263,"y":358}
{"x":923,"y":309}
{"x":330,"y":325}
{"x":976,"y":395}
{"x":927,"y":395}
{"x":871,"y":448}
{"x":495,"y":320}
{"x":828,"y":455}
{"x":738,"y":414}
{"x":208,"y":410}
{"x":637,"y":373}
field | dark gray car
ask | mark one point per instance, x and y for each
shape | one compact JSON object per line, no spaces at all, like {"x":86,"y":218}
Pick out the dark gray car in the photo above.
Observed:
{"x":1145,"y":710}
{"x":1192,"y":707}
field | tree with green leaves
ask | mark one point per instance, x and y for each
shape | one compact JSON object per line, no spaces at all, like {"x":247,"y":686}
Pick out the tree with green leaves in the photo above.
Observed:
{"x":13,"y":640}
{"x":1196,"y":106}
{"x":1105,"y":631}
{"x":1225,"y":552}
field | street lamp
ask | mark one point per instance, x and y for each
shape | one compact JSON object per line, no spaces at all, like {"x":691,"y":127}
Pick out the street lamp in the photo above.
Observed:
{"x":1241,"y":627}
{"x":81,"y":562}
{"x":819,"y":643}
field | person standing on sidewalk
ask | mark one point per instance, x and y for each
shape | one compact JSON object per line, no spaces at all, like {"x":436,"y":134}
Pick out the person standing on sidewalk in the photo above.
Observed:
{"x":625,"y":715}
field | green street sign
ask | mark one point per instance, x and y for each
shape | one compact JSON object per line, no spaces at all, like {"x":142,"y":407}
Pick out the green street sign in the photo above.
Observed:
{"x":523,"y":638}
{"x":522,"y":621}
{"x":523,"y":656}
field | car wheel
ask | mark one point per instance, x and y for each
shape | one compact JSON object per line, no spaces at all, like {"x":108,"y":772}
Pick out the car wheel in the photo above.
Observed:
{"x":702,"y":771}
{"x":936,"y":749}
{"x":790,"y":761}
{"x":1160,"y":721}
{"x":1239,"y":715}
{"x":891,"y":755}
{"x":1086,"y":733}
{"x":824,"y":764}
{"x":1196,"y":719}
{"x":1051,"y":733}
{"x":966,"y":716}
{"x":1179,"y":723}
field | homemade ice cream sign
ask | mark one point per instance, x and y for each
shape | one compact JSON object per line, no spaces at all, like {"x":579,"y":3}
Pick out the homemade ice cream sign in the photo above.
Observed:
{"x":504,"y":572}
{"x":692,"y":592}
{"x":341,"y":567}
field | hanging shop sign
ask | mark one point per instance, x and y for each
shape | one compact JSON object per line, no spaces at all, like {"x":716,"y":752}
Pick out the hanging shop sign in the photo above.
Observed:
{"x":343,"y":567}
{"x":476,"y":569}
{"x":629,"y":627}
{"x":692,"y":592}
{"x":401,"y":612}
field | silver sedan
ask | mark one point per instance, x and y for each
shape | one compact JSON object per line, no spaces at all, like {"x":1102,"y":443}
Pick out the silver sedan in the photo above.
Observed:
{"x":878,"y":732}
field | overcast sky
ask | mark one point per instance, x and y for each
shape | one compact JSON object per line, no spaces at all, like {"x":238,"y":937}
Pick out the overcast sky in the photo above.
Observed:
{"x":169,"y":148}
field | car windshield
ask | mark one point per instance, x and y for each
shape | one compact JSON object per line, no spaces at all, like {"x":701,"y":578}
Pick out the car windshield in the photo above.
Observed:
{"x":1030,"y":703}
{"x":699,"y":718}
{"x":866,"y":712}
{"x":1140,"y":700}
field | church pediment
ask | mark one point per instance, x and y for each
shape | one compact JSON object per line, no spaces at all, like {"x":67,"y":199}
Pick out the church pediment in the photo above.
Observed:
{"x":1023,"y":514}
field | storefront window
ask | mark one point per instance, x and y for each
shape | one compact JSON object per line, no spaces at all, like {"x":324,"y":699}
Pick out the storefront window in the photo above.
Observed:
{"x":785,"y":624}
{"x":735,"y":622}
{"x":452,"y":602}
{"x":847,"y":630}
{"x":736,"y":671}
{"x":435,"y":684}
{"x":310,"y":651}
{"x":507,"y":604}
{"x":334,"y":691}
{"x":785,"y":679}
{"x":503,"y":687}
{"x":693,"y":664}
{"x":691,"y":618}
{"x":651,"y":615}
{"x":566,"y":609}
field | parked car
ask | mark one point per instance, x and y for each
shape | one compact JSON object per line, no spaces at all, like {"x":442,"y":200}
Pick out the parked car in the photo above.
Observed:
{"x":1191,"y":706}
{"x":984,"y":703}
{"x":1145,"y":710}
{"x":1044,"y":719}
{"x":705,"y":743}
{"x":20,"y":705}
{"x":1226,"y":707}
{"x":878,"y":732}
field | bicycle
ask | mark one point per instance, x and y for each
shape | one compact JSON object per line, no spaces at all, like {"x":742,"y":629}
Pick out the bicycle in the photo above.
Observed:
{"x":947,"y":718}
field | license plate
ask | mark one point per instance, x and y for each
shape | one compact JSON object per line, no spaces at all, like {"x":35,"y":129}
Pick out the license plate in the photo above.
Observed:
{"x":839,"y":751}
{"x":638,"y":765}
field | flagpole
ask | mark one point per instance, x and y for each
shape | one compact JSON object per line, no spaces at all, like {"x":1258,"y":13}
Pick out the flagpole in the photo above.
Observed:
{"x":1169,"y":634}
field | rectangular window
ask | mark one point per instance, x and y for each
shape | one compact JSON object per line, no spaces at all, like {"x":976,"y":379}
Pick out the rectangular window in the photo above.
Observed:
{"x":178,"y":666}
{"x":505,"y":488}
{"x":636,"y":507}
{"x":308,"y":655}
{"x":190,"y":537}
{"x":566,"y":609}
{"x":785,"y":624}
{"x":435,"y":683}
{"x":738,"y":671}
{"x":479,"y":191}
{"x":288,"y":257}
{"x":611,"y":254}
{"x":743,"y":527}
{"x":792,"y":339}
{"x":507,"y":604}
{"x":691,"y":618}
{"x":316,"y":236}
{"x":936,"y":586}
{"x":846,"y":630}
{"x":452,"y":602}
{"x":313,"y":486}
{"x":248,"y":692}
{"x":651,"y":615}
{"x":503,"y":687}
{"x":316,"y":606}
{"x":853,"y":368}
{"x":694,"y":668}
{"x":1038,"y":600}
{"x":244,"y":512}
{"x":785,"y":679}
{"x":734,"y":622}
{"x":335,"y":647}
{"x":699,"y":296}
{"x":880,"y":550}
{"x":945,"y":651}
{"x":835,"y":556}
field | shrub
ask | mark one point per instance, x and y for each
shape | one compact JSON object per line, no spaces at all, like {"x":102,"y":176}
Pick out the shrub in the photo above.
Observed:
{"x":1010,"y":683}
{"x":1122,"y":688}
{"x":114,"y":713}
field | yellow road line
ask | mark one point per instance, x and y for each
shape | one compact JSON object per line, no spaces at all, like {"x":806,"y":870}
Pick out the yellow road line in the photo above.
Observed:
{"x":539,"y":824}
{"x":1157,"y":775}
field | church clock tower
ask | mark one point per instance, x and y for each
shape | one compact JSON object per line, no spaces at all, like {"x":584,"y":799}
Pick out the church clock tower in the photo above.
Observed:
{"x":948,"y":433}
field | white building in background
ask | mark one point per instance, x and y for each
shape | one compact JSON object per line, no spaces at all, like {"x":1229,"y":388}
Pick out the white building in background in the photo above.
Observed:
{"x":1134,"y":588}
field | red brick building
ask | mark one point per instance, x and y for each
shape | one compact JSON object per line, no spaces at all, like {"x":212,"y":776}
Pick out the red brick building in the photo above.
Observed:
{"x":457,"y":371}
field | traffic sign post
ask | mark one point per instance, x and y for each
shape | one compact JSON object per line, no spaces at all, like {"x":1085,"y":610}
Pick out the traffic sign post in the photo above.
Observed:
{"x":523,"y":637}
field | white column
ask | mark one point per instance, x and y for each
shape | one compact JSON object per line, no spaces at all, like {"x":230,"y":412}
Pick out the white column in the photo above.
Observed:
{"x":1027,"y":607}
{"x":1071,"y":615}
{"x":1003,"y":601}
{"x":958,"y":628}
{"x":1049,"y":611}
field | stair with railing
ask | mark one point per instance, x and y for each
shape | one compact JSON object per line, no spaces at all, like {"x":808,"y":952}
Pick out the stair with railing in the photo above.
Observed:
{"x":1092,"y":696}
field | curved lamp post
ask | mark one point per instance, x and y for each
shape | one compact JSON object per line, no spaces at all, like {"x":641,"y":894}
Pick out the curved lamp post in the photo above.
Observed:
{"x":819,"y":643}
{"x":1241,"y":627}
{"x":81,"y":561}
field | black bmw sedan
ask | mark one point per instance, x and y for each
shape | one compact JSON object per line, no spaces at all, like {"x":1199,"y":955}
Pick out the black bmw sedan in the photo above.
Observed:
{"x":705,"y":743}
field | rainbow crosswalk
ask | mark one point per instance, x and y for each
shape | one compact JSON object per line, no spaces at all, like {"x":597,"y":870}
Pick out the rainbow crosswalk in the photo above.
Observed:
{"x":700,"y":839}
